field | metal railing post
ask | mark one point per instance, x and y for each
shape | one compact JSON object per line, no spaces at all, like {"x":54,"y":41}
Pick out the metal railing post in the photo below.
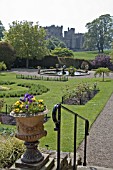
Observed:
{"x":57,"y":121}
{"x":75,"y":139}
{"x":58,"y":137}
{"x":85,"y":141}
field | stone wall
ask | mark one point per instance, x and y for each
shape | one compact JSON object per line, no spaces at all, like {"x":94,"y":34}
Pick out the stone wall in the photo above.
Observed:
{"x":73,"y":41}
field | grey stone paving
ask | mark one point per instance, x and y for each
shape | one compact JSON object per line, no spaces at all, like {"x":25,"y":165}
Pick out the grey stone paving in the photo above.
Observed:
{"x":100,"y":139}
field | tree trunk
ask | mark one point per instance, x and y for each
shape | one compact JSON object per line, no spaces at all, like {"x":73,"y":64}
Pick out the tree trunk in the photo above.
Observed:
{"x":27,"y":63}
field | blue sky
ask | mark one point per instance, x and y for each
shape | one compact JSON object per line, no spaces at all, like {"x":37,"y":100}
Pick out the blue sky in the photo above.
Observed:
{"x":69,"y":13}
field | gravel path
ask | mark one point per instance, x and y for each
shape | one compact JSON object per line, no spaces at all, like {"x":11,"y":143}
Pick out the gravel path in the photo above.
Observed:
{"x":100,"y":139}
{"x":34,"y":72}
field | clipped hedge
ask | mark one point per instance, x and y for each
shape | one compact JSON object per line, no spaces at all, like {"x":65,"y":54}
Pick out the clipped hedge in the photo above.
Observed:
{"x":30,"y":77}
{"x":6,"y":82}
{"x":34,"y":89}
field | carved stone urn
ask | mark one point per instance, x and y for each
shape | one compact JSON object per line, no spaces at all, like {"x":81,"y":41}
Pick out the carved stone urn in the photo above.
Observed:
{"x":30,"y":129}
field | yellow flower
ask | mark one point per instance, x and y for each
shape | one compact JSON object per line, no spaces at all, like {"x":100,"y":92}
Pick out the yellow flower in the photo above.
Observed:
{"x":33,"y":99}
{"x":16,"y":110}
{"x":40,"y":101}
{"x":21,"y":106}
{"x":28,"y":104}
{"x":17,"y":103}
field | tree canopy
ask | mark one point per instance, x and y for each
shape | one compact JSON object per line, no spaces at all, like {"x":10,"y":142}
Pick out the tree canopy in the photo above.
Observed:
{"x":100,"y":33}
{"x":2,"y":28}
{"x":54,"y":42}
{"x":27,"y":39}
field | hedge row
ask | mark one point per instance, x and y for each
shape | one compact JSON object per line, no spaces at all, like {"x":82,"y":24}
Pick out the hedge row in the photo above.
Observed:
{"x":32,"y":89}
{"x":30,"y":77}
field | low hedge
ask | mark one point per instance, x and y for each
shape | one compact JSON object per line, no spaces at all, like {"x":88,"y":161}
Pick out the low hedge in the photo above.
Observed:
{"x":34,"y":89}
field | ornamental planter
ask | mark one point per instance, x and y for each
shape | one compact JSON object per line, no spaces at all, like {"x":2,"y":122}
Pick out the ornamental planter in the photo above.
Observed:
{"x":30,"y":129}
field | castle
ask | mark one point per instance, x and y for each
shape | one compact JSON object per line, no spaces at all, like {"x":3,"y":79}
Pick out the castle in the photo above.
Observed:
{"x":73,"y":41}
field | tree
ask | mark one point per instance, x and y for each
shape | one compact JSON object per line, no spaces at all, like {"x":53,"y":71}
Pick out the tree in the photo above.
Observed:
{"x":62,"y":52}
{"x":27,"y":39}
{"x":7,"y":54}
{"x":54,"y":42}
{"x":100,"y":33}
{"x":1,"y":30}
{"x":102,"y":72}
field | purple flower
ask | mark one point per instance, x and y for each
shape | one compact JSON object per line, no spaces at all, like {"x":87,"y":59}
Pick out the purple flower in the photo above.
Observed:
{"x":22,"y":100}
{"x":26,"y":95}
{"x":27,"y":107}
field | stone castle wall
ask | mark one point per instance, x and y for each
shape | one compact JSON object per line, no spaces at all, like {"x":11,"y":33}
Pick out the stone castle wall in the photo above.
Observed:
{"x":73,"y":41}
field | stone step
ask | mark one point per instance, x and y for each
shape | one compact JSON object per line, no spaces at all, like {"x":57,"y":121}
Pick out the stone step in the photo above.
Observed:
{"x":19,"y":165}
{"x":92,"y":168}
{"x":63,"y":161}
{"x":49,"y":165}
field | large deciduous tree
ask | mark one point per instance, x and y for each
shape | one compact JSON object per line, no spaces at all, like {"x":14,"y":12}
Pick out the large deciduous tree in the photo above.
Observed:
{"x":27,"y":39}
{"x":2,"y":28}
{"x":100,"y":33}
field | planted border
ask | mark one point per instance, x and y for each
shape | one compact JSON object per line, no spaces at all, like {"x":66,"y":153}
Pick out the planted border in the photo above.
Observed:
{"x":30,"y":77}
{"x":33,"y":89}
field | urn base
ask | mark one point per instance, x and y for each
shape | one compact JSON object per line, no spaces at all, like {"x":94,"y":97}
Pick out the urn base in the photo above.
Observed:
{"x":32,"y":154}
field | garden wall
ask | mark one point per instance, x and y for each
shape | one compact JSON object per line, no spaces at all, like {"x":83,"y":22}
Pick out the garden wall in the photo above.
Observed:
{"x":50,"y":61}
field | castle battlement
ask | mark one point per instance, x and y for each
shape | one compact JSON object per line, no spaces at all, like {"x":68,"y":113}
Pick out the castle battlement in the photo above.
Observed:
{"x":73,"y":41}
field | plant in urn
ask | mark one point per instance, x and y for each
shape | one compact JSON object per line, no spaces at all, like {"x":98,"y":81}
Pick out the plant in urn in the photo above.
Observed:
{"x":29,"y":113}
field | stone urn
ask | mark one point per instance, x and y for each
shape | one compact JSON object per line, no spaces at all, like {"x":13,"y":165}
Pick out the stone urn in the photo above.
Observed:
{"x":30,"y":129}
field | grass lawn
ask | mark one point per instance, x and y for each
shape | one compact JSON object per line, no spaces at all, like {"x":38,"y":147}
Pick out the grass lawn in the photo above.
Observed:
{"x":89,"y":55}
{"x":57,"y":89}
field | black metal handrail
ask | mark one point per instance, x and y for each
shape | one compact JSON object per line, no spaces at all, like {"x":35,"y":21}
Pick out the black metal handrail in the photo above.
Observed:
{"x":57,"y":120}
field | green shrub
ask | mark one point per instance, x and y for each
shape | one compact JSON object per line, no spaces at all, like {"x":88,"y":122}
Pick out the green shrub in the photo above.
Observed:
{"x":102,"y":71}
{"x":10,"y":150}
{"x":6,"y":82}
{"x":71,"y":70}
